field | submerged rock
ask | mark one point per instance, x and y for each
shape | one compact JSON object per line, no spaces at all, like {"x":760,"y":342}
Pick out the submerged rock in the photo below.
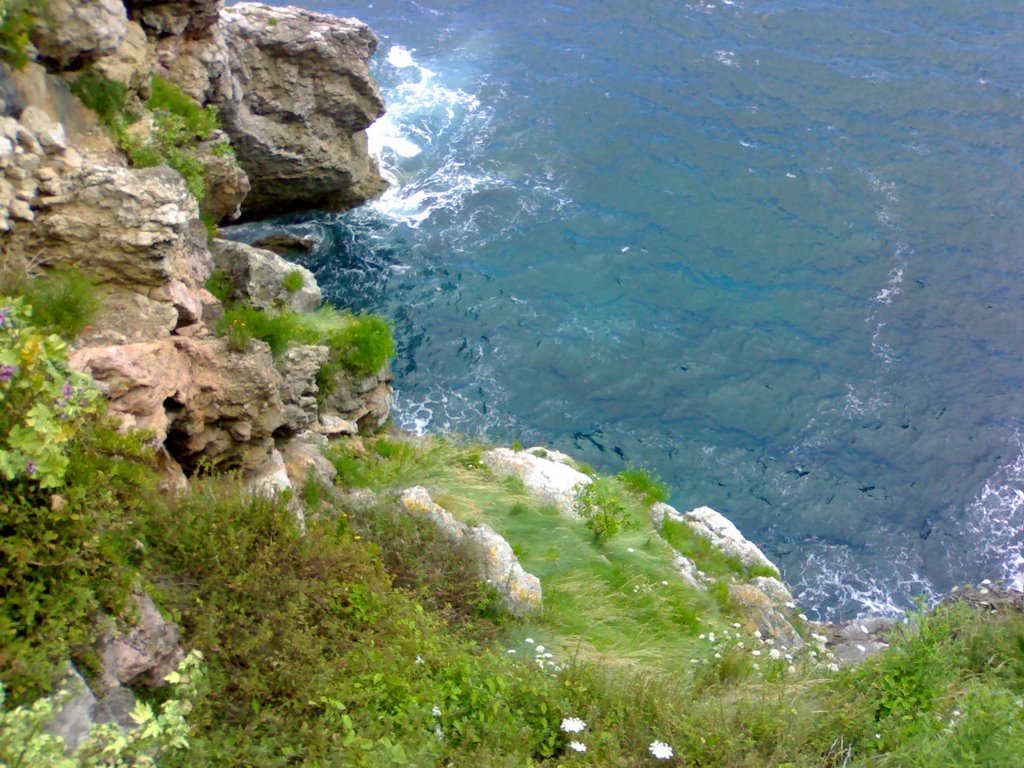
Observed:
{"x":552,"y":481}
{"x":492,"y":554}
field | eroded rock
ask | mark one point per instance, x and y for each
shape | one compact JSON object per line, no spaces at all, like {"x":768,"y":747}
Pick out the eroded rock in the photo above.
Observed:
{"x":78,"y":32}
{"x":721,"y":532}
{"x":146,"y":653}
{"x":759,"y":613}
{"x":258,"y":277}
{"x":552,"y":481}
{"x":297,"y":101}
{"x":491,"y":553}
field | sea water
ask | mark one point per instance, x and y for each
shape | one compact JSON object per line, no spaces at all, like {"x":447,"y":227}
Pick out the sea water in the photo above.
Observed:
{"x":773,"y":251}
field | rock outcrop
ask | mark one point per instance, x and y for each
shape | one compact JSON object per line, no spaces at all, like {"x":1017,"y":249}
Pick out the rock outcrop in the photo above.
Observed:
{"x":258,"y":277}
{"x":552,"y":481}
{"x":491,"y":553}
{"x":79,"y":32}
{"x":296,"y":101}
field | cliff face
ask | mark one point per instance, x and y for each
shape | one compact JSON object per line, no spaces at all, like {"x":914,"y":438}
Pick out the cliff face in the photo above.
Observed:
{"x":295,"y":97}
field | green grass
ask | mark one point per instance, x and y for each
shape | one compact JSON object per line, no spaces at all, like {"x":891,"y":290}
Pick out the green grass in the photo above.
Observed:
{"x":63,"y":299}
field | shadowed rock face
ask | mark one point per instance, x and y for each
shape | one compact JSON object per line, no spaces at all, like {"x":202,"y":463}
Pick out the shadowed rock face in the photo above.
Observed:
{"x":296,"y":102}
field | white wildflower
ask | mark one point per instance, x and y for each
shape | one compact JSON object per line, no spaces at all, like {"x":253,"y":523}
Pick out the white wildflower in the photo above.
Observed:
{"x":757,"y":633}
{"x":755,"y":653}
{"x":661,"y":750}
{"x":540,"y":649}
{"x":775,"y":653}
{"x":436,"y":711}
{"x":573,"y":725}
{"x":420,"y":661}
{"x":528,"y":640}
{"x":577,"y":746}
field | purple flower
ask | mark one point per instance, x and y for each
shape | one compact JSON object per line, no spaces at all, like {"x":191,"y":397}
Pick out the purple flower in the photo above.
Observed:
{"x":68,"y":391}
{"x":31,"y":467}
{"x":4,"y":314}
{"x":7,"y":372}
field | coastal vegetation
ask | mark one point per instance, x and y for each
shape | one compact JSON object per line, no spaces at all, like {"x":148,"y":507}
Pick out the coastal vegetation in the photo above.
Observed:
{"x":367,"y":640}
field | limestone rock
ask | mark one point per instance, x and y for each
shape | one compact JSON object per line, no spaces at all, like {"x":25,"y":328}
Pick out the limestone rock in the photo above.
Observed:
{"x":257,"y":277}
{"x":176,"y":17}
{"x":552,"y":481}
{"x":297,"y":102}
{"x":132,"y":63}
{"x":145,"y":654}
{"x":776,"y":591}
{"x":272,"y":478}
{"x":203,"y":400}
{"x":80,"y":31}
{"x":760,"y":614}
{"x":721,"y":532}
{"x":304,"y":458}
{"x":854,"y":642}
{"x":226,"y":185}
{"x":127,"y":317}
{"x":128,"y":227}
{"x":687,"y":571}
{"x":335,"y":426}
{"x":363,"y":400}
{"x":299,"y":366}
{"x":491,"y":553}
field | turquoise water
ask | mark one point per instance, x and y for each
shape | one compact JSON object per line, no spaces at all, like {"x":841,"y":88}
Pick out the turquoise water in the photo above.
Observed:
{"x":773,"y":251}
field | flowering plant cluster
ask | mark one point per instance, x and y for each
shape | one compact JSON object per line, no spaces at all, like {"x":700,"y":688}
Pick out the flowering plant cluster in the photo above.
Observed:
{"x":764,"y":656}
{"x":42,"y":399}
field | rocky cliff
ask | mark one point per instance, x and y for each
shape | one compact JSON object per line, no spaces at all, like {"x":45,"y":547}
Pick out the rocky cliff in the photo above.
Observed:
{"x":294,"y":97}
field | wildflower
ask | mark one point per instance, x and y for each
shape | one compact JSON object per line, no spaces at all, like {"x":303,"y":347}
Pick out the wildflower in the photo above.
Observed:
{"x":528,"y":640}
{"x":31,"y":468}
{"x":755,"y":653}
{"x":510,"y":651}
{"x":577,"y":746}
{"x":4,"y":314}
{"x":7,"y":372}
{"x":664,"y":583}
{"x":436,"y":711}
{"x":661,"y":750}
{"x":775,"y":653}
{"x":736,"y":625}
{"x":573,"y":725}
{"x":833,"y":667}
{"x":419,"y":660}
{"x":540,"y":649}
{"x":757,"y":633}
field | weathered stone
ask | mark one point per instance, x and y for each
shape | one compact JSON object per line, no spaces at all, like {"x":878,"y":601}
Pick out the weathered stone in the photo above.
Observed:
{"x":132,"y":63}
{"x":73,"y":719}
{"x":146,"y":653}
{"x":271,"y":479}
{"x":49,"y":133}
{"x":491,"y":553}
{"x":365,"y":400}
{"x":128,"y":227}
{"x":80,"y":31}
{"x":258,"y":277}
{"x":176,"y":17}
{"x":128,"y":317}
{"x":226,"y":185}
{"x":297,"y":102}
{"x":776,"y":591}
{"x":687,"y":571}
{"x":335,"y":425}
{"x":758,"y":613}
{"x":725,"y":536}
{"x":299,"y":366}
{"x":205,"y":401}
{"x":552,"y":481}
{"x":304,"y":458}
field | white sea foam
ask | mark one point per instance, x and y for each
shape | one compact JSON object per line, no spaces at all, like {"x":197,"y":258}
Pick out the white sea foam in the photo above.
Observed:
{"x":995,"y":520}
{"x":400,"y":57}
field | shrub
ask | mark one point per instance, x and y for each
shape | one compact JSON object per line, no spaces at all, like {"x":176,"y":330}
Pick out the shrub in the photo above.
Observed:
{"x":601,"y":507}
{"x":17,"y":20}
{"x":43,"y":399}
{"x":106,"y":98}
{"x":63,"y":299}
{"x":197,"y":121}
{"x":220,"y":285}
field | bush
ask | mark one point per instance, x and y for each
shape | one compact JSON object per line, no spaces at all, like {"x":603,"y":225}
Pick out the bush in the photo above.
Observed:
{"x":63,"y":299}
{"x":220,"y":285}
{"x":106,"y":98}
{"x":196,"y":121}
{"x":17,"y":20}
{"x":601,"y":507}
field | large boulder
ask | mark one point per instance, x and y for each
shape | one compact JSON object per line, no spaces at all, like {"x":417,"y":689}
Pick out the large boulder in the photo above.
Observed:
{"x":552,"y":481}
{"x":78,"y":32}
{"x":362,"y":400}
{"x":258,"y":277}
{"x":497,"y":564}
{"x":144,"y":654}
{"x":296,"y":102}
